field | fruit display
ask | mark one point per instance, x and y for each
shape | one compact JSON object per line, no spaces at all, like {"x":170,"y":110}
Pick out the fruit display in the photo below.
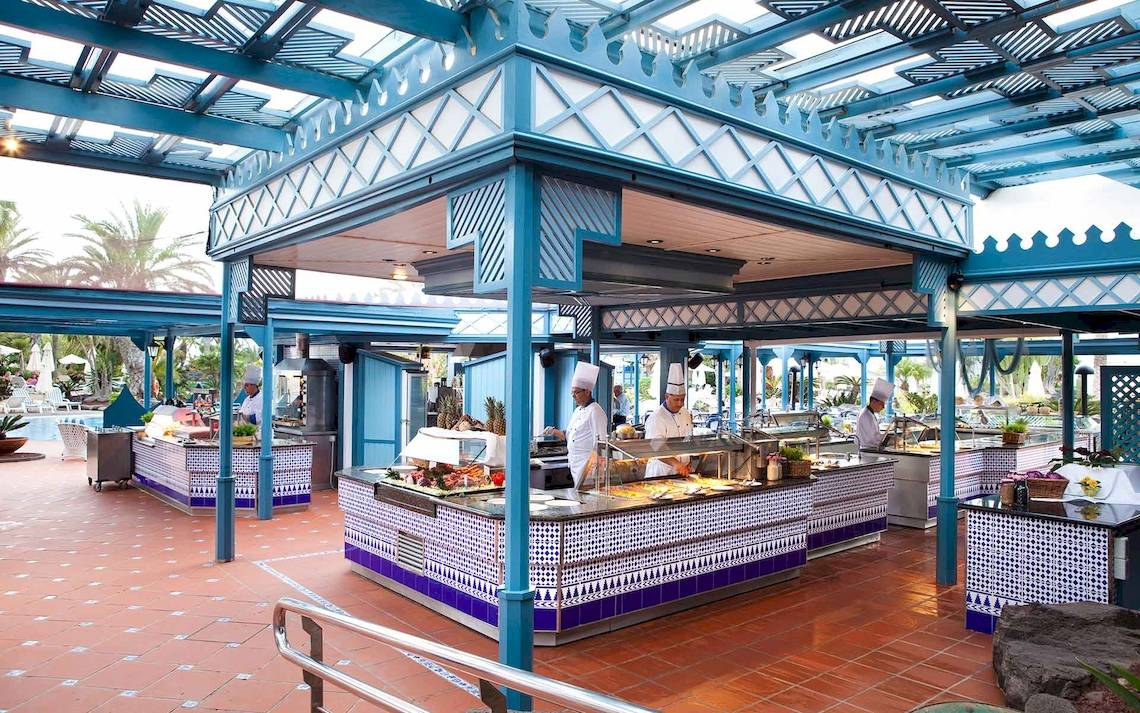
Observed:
{"x":444,"y":479}
{"x":447,"y":411}
{"x":496,"y":416}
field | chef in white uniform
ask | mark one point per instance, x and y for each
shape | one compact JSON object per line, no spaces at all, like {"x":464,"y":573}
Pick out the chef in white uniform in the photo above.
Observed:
{"x":250,"y":409}
{"x":671,"y":420}
{"x":867,"y":431}
{"x":587,"y":424}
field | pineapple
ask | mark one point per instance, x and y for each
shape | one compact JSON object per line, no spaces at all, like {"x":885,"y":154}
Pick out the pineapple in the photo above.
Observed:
{"x":492,"y":414}
{"x":502,"y":424}
{"x":445,"y":410}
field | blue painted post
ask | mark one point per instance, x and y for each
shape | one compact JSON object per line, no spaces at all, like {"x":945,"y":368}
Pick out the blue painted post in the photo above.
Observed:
{"x":224,"y":514}
{"x":595,"y":336}
{"x":516,"y":599}
{"x":892,"y":360}
{"x":732,"y":389}
{"x":749,"y":383}
{"x":148,"y":372}
{"x":1068,"y":409}
{"x":947,"y":558}
{"x":168,"y":347}
{"x":720,"y":388}
{"x":810,"y":381}
{"x":785,"y":396}
{"x":992,"y":376}
{"x":862,"y":379}
{"x":265,"y":461}
{"x":637,"y":387}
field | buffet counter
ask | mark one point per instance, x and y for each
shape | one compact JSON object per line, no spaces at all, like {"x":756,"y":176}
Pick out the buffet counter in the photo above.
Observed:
{"x":979,"y":465}
{"x":184,"y":473}
{"x":609,"y":558}
{"x":1075,"y":550}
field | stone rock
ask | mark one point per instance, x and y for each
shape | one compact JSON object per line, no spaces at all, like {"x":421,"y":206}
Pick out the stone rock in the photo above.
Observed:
{"x":1036,"y":647}
{"x":1045,"y":703}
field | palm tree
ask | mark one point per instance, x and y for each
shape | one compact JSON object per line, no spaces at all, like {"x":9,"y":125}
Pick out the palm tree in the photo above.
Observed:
{"x":18,"y":261}
{"x":125,"y":252}
{"x":908,"y":369}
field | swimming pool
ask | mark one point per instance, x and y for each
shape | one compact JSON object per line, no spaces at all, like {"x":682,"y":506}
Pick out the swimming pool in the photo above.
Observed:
{"x":42,"y":428}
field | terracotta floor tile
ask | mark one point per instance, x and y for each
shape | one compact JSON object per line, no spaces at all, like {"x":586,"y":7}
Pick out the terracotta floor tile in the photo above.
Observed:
{"x":248,"y":695}
{"x":75,"y":665}
{"x":187,"y":685}
{"x":931,"y":676}
{"x":18,"y":689}
{"x":139,"y":704}
{"x":68,"y":699}
{"x":979,"y":691}
{"x":908,"y":689}
{"x":225,"y":632}
{"x":880,"y":702}
{"x":802,"y":699}
{"x":834,"y":686}
{"x":129,"y":675}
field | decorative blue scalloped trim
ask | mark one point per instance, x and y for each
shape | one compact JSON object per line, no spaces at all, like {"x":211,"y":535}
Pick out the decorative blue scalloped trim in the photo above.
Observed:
{"x":1101,"y":250}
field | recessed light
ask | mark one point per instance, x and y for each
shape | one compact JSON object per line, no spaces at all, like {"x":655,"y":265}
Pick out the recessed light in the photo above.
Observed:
{"x":655,"y":242}
{"x":713,"y":250}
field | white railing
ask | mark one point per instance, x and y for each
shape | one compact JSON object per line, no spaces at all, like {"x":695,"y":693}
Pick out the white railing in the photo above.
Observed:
{"x":489,"y":673}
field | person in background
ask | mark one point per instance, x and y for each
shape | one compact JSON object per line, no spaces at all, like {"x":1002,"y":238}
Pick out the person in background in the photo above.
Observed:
{"x":672,"y":420}
{"x":587,"y":424}
{"x":620,"y":406}
{"x":251,"y":408}
{"x":867,"y":430}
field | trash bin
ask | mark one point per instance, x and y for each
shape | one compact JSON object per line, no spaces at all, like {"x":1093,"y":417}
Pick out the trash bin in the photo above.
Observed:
{"x":109,"y":456}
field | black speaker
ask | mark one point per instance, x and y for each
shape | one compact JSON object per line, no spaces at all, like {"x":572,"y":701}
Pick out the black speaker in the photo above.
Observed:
{"x":346,"y":352}
{"x":546,"y":357}
{"x":695,"y":360}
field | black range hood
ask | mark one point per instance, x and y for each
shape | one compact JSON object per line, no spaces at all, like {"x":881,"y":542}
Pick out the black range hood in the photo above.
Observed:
{"x":611,"y":274}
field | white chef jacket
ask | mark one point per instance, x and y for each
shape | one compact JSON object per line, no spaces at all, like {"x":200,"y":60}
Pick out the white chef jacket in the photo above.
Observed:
{"x":251,"y":407}
{"x":587,"y":426}
{"x":664,"y":424}
{"x":867,"y":430}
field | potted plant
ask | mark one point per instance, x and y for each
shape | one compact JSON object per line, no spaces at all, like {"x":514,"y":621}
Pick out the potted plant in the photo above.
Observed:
{"x":1014,"y":433}
{"x":11,"y":444}
{"x":243,"y":434}
{"x":798,"y":466}
{"x":1089,"y":458}
{"x":146,"y":417}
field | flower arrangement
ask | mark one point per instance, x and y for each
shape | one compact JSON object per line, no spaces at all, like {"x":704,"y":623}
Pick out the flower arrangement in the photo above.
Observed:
{"x":1088,"y":458}
{"x":1090,"y":486}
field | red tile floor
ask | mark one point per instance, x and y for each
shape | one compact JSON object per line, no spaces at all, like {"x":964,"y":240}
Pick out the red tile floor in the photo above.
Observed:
{"x":111,"y":602}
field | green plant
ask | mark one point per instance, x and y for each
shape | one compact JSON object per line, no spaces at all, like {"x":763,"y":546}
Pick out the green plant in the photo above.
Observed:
{"x":1122,"y":682}
{"x":1088,"y":458}
{"x":146,"y":417}
{"x":10,"y":423}
{"x":791,"y":453}
{"x":1019,"y":425}
{"x":244,"y":430}
{"x":825,"y":419}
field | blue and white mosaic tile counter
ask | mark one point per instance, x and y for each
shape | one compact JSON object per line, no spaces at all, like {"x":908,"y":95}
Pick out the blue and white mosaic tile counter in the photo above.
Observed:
{"x":185,"y":475}
{"x":1052,"y":552}
{"x":608,"y":562}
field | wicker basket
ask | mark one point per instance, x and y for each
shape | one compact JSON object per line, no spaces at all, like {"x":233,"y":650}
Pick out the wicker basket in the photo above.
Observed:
{"x":1046,"y":487}
{"x":799,"y":468}
{"x":1013,"y":439}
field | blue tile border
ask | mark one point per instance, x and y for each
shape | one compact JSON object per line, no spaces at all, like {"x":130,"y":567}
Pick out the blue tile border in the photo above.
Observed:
{"x":194,"y":502}
{"x":847,"y":532}
{"x":981,"y":622}
{"x":547,"y":619}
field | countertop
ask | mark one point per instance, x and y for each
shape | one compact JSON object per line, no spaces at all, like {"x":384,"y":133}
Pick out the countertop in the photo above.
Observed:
{"x":980,"y":444}
{"x":198,"y":443}
{"x":1117,"y":516}
{"x":589,"y":503}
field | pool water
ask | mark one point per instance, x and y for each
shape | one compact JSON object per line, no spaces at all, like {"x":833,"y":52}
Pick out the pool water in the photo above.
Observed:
{"x":43,"y":428}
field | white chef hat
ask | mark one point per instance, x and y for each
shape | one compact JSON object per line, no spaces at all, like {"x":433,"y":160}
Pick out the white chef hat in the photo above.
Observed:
{"x":676,"y":383}
{"x":882,"y":390}
{"x":252,"y":375}
{"x":585,"y":375}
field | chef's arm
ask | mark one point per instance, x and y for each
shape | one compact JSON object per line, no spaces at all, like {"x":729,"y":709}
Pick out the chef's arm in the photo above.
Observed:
{"x":552,"y":431}
{"x":677,"y":465}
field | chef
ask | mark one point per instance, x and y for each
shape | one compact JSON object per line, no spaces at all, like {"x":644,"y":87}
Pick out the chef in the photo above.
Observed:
{"x":251,"y":408}
{"x":672,"y":420}
{"x":587,"y":424}
{"x":867,"y":431}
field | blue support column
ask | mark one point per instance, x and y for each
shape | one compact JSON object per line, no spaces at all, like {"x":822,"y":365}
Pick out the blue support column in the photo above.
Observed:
{"x":595,"y":336}
{"x":148,"y":372}
{"x":862,"y":379}
{"x":720,"y":387}
{"x":168,"y":348}
{"x":749,"y":384}
{"x":732,"y":389}
{"x":810,"y":381}
{"x":1068,"y":410}
{"x":892,"y":360}
{"x":637,"y":387}
{"x":516,"y":599}
{"x":265,"y":461}
{"x":224,"y":513}
{"x":947,"y":559}
{"x":785,"y":396}
{"x":992,"y":376}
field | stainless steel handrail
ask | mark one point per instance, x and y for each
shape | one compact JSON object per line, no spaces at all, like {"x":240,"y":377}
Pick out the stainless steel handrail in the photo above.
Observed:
{"x":316,"y":671}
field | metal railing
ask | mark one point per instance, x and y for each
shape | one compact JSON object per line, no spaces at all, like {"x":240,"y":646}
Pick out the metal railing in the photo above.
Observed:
{"x":489,"y":673}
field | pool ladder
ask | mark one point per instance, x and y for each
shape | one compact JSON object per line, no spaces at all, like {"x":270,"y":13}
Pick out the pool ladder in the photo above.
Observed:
{"x":315,"y":671}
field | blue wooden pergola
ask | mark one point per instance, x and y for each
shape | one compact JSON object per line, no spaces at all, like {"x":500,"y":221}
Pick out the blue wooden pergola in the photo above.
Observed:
{"x":582,"y":152}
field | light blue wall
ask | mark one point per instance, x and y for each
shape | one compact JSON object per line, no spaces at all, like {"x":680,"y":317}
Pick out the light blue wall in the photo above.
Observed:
{"x":376,"y":402}
{"x":482,"y":378}
{"x":564,"y":376}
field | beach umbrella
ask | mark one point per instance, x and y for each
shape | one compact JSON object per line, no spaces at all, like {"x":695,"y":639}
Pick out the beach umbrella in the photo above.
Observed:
{"x":7,"y":351}
{"x":47,"y":368}
{"x":35,"y":361}
{"x":73,"y":359}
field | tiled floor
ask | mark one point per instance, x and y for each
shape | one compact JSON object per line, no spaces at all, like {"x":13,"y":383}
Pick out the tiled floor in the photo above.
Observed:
{"x":111,"y":602}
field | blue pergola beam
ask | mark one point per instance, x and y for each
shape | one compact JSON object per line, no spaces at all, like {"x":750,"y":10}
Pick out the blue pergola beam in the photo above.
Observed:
{"x":416,"y":17}
{"x":118,"y":164}
{"x":786,"y":31}
{"x":97,"y":33}
{"x":638,"y":15}
{"x":850,"y":60}
{"x":963,"y":80}
{"x":61,"y":101}
{"x":1058,"y":165}
{"x":1040,"y":147}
